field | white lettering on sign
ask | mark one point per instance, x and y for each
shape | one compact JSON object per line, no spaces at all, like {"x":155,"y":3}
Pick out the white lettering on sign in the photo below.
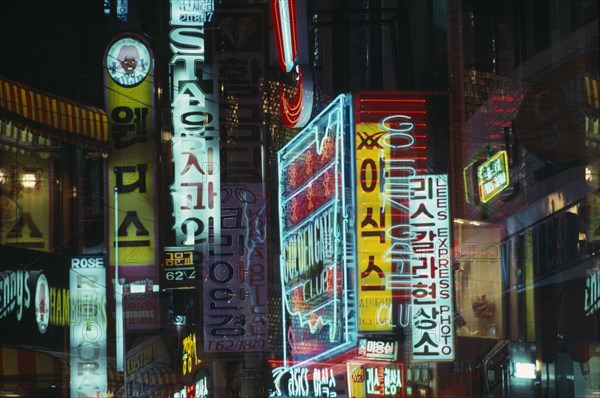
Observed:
{"x":194,"y":102}
{"x":87,"y":262}
{"x":14,"y":293}
{"x":294,"y":382}
{"x":592,"y":293}
{"x":88,"y":333}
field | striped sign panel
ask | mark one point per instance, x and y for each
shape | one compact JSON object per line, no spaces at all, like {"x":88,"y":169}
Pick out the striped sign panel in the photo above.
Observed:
{"x":28,"y":369}
{"x":52,"y":111}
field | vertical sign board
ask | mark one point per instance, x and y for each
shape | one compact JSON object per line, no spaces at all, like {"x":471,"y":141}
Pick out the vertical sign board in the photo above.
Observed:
{"x":389,"y":149}
{"x":235,"y":287}
{"x":88,"y":327}
{"x":235,"y":273}
{"x":195,"y":116}
{"x":316,"y":240}
{"x":129,"y":84}
{"x":431,"y":287}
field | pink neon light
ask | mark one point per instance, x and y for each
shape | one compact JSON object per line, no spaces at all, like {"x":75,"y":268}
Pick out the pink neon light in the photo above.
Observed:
{"x":285,"y":33}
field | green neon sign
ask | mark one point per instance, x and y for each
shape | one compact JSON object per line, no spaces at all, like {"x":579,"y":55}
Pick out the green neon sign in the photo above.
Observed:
{"x":492,"y":176}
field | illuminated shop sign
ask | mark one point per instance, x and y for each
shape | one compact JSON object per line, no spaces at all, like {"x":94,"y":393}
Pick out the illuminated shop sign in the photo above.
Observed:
{"x":197,"y":390}
{"x":372,"y":379}
{"x":384,"y":350}
{"x":194,"y":102}
{"x":235,"y":274}
{"x":492,"y":176}
{"x":122,"y":9}
{"x":524,"y":370}
{"x":189,"y":356}
{"x":129,"y":96}
{"x":431,"y":286}
{"x":592,"y":293}
{"x":304,"y":382}
{"x":128,"y":61}
{"x":192,"y":12}
{"x":88,"y":327}
{"x":179,"y":267}
{"x":389,"y":149}
{"x":316,"y":270}
{"x":15,"y":293}
{"x":290,"y":28}
{"x":30,"y":305}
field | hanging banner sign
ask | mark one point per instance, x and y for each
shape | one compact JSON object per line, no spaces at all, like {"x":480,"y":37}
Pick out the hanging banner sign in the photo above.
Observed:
{"x":195,"y":116}
{"x":390,"y":138}
{"x":431,"y":286}
{"x":129,"y":82}
{"x":89,"y":372}
{"x":235,"y":274}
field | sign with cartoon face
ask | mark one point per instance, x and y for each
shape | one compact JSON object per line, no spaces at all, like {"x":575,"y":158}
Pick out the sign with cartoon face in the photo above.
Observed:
{"x":128,"y":61}
{"x":42,"y":305}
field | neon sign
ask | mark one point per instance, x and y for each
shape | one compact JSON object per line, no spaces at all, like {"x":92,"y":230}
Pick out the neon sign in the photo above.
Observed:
{"x":194,"y":101}
{"x":286,"y":24}
{"x":431,"y":285}
{"x":388,"y":150}
{"x":492,"y":176}
{"x":314,"y":197}
{"x":302,"y":382}
{"x":189,"y":357}
{"x":372,"y":379}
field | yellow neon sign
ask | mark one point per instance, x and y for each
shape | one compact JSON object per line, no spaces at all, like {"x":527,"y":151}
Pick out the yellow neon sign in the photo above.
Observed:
{"x":492,"y":176}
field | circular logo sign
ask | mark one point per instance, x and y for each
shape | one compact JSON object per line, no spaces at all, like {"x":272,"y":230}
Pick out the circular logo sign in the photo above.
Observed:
{"x":42,"y":303}
{"x":128,"y":61}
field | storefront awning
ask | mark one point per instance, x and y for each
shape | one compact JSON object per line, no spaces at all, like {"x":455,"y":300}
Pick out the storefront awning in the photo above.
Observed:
{"x":52,"y":117}
{"x":27,"y":369}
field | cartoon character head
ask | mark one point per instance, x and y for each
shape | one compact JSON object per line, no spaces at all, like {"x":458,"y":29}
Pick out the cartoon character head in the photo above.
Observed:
{"x":128,"y":57}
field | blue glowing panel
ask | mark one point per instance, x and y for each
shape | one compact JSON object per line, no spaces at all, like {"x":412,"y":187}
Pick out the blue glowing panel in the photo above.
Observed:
{"x":317,"y":245}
